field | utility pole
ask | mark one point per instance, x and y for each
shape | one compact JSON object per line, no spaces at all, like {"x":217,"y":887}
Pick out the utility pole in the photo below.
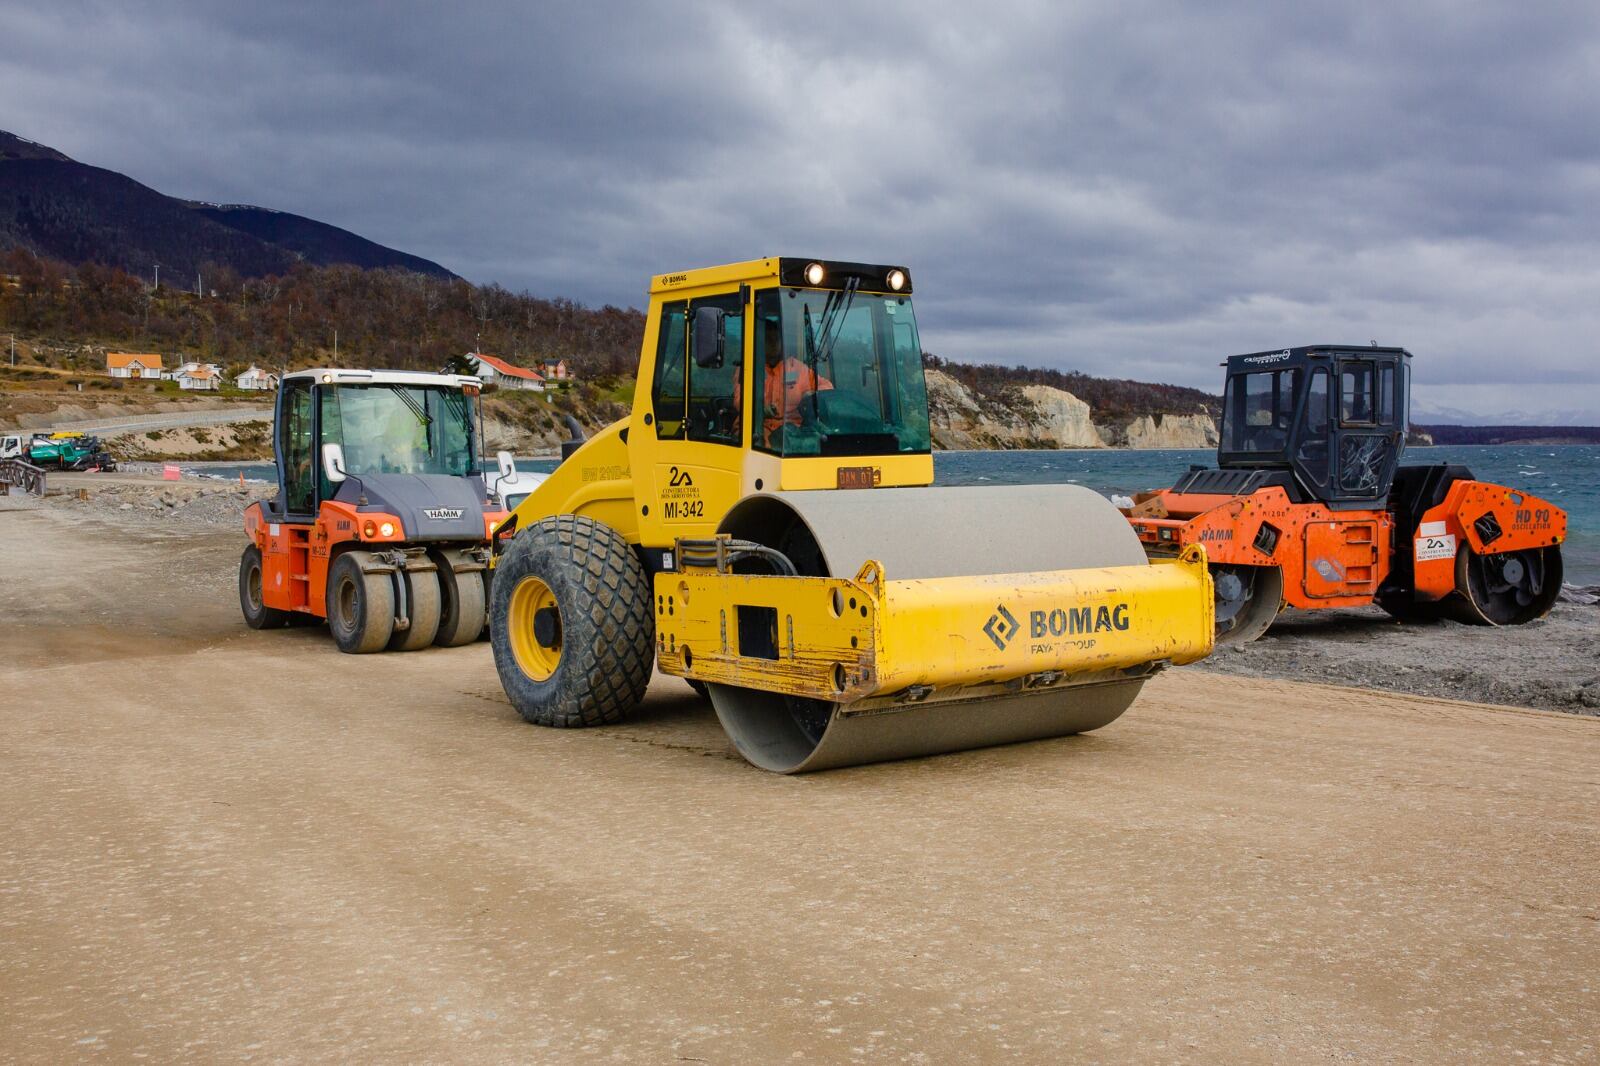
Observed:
{"x":335,"y":347}
{"x":13,"y":349}
{"x":158,"y":276}
{"x":197,"y":284}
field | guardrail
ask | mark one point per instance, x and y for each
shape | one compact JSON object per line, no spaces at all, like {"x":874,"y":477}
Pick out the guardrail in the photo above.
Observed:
{"x":21,"y":474}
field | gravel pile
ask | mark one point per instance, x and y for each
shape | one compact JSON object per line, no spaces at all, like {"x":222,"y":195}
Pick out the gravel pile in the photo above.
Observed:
{"x":190,"y":503}
{"x":1550,"y":664}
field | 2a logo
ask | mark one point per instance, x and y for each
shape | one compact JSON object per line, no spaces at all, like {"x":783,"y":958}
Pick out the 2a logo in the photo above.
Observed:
{"x":1001,"y":627}
{"x":677,"y":479}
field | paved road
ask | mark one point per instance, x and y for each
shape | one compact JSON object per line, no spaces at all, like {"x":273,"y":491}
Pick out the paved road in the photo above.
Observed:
{"x":218,"y":844}
{"x":167,"y":420}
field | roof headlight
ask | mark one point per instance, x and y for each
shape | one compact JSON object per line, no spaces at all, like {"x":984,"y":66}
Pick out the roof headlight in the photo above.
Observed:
{"x":815,"y":273}
{"x":895,"y":279}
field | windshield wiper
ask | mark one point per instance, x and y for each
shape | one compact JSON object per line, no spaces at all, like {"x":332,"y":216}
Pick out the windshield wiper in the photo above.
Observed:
{"x":411,"y":402}
{"x":834,"y":311}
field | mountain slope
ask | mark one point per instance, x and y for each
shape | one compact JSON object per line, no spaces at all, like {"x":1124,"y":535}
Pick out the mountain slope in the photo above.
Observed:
{"x":59,"y":208}
{"x":316,"y":242}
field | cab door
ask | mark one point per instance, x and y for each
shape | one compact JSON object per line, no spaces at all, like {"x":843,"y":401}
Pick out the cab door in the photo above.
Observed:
{"x":698,"y":421}
{"x":286,"y":562}
{"x":1367,"y":436}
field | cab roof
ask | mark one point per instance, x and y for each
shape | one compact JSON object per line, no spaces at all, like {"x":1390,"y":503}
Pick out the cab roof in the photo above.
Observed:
{"x":338,"y":376}
{"x":786,"y":270}
{"x":1292,"y":356}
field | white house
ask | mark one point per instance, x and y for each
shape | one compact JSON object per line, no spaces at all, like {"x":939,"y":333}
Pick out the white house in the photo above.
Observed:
{"x":497,"y":371}
{"x":256,"y":378}
{"x":197,"y":376}
{"x":133,"y":365}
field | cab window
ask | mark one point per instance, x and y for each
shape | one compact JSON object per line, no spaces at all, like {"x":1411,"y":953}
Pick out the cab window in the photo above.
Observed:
{"x":294,"y":450}
{"x":1357,"y":385}
{"x":1258,"y":409}
{"x":713,"y":411}
{"x":667,"y":400}
{"x":1312,"y":452}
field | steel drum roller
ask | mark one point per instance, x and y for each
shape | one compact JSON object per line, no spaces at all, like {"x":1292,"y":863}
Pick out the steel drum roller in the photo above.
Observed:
{"x":925,"y":533}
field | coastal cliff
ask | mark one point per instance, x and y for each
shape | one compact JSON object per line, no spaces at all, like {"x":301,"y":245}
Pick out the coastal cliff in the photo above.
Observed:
{"x":1044,"y":416}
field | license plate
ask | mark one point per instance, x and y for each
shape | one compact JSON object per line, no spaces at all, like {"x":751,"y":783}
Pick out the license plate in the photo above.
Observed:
{"x":858,"y":477}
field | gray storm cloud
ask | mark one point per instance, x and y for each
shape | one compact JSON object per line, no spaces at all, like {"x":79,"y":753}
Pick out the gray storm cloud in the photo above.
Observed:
{"x":1128,"y":189}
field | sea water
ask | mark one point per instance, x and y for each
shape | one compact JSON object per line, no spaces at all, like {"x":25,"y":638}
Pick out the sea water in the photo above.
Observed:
{"x":1566,"y":475}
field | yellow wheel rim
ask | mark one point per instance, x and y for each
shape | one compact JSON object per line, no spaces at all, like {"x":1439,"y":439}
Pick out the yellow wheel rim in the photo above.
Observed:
{"x":530,"y":597}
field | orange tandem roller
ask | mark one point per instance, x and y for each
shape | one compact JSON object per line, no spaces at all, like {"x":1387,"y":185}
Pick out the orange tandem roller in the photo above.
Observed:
{"x":1308,"y":506}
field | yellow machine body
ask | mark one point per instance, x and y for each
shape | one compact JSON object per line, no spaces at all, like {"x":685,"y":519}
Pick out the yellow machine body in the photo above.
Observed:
{"x":871,"y":643}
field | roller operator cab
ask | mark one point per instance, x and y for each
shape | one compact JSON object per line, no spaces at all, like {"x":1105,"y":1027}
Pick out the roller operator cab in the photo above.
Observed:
{"x":762,"y":525}
{"x":1309,"y":506}
{"x":1334,"y":417}
{"x":381,"y":520}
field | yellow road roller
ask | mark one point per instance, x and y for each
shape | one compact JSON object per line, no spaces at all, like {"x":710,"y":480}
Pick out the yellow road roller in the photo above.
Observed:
{"x":763,"y":524}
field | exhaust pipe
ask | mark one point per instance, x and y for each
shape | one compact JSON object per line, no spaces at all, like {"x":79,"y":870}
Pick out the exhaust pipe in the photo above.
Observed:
{"x":576,"y":441}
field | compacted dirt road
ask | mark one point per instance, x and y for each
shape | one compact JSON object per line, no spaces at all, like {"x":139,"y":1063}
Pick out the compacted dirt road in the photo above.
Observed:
{"x":224,"y":845}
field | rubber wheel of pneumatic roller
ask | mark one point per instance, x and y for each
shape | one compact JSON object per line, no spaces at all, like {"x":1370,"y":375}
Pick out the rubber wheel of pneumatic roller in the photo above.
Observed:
{"x":926,"y":533}
{"x":360,"y":605}
{"x":1248,"y":599}
{"x":572,"y":624}
{"x":422,"y":608}
{"x":257,"y":615}
{"x":463,"y":611}
{"x":1507,"y":589}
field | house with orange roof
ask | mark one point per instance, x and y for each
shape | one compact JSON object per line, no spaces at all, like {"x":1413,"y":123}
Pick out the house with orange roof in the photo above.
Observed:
{"x":495,"y":371}
{"x":133,"y":365}
{"x":198,"y":377}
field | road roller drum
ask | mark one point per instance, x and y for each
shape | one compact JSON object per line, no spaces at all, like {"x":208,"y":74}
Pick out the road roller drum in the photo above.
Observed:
{"x":971,"y":617}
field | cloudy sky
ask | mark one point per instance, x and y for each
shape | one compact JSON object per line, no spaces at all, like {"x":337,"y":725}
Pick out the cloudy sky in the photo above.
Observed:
{"x":1129,"y":189}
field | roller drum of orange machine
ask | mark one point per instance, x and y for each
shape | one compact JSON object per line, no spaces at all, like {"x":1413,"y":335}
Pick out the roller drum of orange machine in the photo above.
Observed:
{"x":1308,"y":506}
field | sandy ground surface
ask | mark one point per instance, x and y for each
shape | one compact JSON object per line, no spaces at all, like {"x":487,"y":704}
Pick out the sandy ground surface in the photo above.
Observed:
{"x":225,"y":845}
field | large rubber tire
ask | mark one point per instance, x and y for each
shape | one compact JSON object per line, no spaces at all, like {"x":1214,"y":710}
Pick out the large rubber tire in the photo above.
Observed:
{"x":601,"y":638}
{"x":360,"y":606}
{"x":463,"y":610}
{"x":257,"y":615}
{"x":422,"y":607}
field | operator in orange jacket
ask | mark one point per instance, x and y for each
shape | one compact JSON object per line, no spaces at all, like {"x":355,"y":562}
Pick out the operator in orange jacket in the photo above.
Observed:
{"x":788,"y":382}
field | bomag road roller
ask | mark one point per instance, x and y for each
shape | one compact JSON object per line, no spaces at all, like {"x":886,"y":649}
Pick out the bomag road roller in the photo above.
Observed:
{"x":762,"y":525}
{"x":381,"y":521}
{"x":1307,"y":505}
